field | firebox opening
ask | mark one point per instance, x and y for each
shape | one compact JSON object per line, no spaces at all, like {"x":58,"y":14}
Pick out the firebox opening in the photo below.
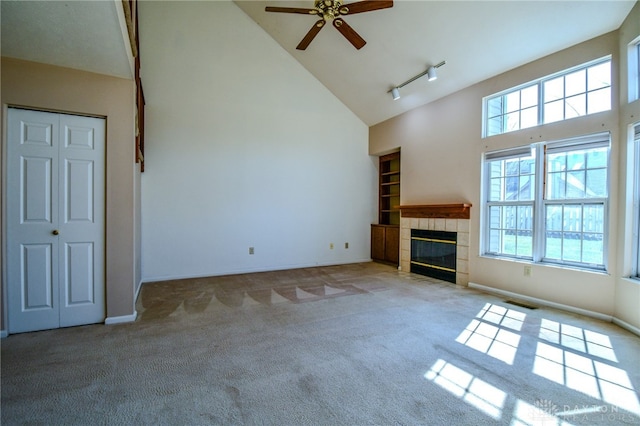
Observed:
{"x":433,"y":253}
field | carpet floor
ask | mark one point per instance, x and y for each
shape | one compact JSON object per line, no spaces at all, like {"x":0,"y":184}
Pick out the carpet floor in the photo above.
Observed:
{"x":360,"y":344}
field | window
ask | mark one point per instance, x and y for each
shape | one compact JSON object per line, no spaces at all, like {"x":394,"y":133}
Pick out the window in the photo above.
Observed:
{"x":512,"y":111}
{"x":510,"y":202}
{"x":582,"y":92}
{"x":575,"y":203}
{"x":548,"y":202}
{"x":579,"y":91}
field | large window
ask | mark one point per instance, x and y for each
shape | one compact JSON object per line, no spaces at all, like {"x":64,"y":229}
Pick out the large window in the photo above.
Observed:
{"x":579,"y":91}
{"x":548,"y":202}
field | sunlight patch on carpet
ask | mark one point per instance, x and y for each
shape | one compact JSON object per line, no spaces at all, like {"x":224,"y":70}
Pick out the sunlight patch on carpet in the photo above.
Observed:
{"x":478,"y":393}
{"x":580,"y":373}
{"x":492,"y":332}
{"x":578,"y":339}
{"x":541,"y":413}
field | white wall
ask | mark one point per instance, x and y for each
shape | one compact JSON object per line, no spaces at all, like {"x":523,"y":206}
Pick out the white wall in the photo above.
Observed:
{"x":243,"y":148}
{"x":441,"y":162}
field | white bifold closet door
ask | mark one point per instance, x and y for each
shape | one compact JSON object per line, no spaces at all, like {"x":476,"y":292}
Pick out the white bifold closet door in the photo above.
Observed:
{"x":55,"y":220}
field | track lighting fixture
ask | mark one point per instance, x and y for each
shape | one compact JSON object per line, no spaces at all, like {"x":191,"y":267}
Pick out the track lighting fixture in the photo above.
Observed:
{"x":430,"y":73}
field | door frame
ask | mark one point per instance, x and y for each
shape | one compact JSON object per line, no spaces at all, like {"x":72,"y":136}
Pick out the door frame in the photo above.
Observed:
{"x":4,"y":139}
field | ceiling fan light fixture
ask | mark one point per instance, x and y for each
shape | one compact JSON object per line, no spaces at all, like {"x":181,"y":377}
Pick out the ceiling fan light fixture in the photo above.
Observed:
{"x":395,"y":93}
{"x":431,"y":73}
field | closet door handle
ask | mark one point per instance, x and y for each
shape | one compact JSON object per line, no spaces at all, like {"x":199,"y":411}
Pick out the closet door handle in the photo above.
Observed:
{"x":55,"y":232}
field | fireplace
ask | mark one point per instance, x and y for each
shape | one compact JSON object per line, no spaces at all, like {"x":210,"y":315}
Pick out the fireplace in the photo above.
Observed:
{"x":433,"y":253}
{"x":448,"y":218}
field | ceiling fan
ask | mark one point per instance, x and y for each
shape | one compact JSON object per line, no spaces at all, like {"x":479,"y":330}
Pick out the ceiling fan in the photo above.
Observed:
{"x":332,"y":10}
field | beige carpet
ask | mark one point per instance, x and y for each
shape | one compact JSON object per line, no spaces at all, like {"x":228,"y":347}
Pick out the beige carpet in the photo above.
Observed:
{"x":357,"y":344}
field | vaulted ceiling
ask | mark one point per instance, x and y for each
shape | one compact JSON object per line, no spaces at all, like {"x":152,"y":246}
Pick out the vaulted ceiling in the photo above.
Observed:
{"x":477,"y":39}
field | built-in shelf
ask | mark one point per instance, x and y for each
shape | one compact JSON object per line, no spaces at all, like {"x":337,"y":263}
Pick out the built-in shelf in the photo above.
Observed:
{"x":385,"y":235}
{"x":446,"y":211}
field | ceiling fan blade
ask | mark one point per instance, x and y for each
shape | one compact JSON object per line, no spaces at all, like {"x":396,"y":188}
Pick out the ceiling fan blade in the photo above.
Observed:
{"x":313,"y":32}
{"x":366,"y":6}
{"x":349,"y":33}
{"x":291,"y":10}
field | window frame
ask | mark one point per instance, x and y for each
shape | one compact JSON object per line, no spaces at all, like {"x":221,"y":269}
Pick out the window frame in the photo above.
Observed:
{"x":637,"y":76}
{"x":540,"y":106}
{"x":540,"y":201}
{"x":637,"y":73}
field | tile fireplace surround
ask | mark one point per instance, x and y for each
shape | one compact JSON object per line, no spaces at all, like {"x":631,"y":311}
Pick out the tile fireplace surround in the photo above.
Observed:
{"x":437,"y":217}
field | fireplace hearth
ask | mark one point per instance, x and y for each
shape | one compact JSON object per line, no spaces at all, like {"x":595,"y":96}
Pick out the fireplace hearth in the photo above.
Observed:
{"x":433,"y":253}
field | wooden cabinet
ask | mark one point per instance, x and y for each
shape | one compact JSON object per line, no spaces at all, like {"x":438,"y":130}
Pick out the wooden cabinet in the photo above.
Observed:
{"x":385,"y":236}
{"x":385,"y":243}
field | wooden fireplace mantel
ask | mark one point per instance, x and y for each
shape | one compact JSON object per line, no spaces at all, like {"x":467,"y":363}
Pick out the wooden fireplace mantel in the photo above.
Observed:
{"x":446,"y":211}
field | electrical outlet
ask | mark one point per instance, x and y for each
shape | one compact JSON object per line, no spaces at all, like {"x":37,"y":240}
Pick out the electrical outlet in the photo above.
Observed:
{"x":251,"y":250}
{"x":346,"y":245}
{"x":527,"y":270}
{"x":330,"y":246}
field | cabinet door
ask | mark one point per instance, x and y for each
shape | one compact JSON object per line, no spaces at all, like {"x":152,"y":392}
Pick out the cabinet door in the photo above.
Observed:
{"x":392,"y":245}
{"x":377,"y":242}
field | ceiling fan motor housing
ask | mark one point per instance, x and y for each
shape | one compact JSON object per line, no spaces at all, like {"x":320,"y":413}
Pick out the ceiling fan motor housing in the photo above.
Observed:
{"x":330,"y":9}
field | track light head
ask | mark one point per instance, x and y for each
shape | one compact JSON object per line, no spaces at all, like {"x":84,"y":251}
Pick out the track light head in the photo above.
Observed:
{"x":431,"y":72}
{"x":395,"y":93}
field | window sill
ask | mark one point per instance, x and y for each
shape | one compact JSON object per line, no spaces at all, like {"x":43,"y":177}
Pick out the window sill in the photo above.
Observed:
{"x":632,"y":280}
{"x":549,"y":265}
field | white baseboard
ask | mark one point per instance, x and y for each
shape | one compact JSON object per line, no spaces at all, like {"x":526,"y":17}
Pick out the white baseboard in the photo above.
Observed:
{"x":121,"y":319}
{"x":548,"y":303}
{"x":3,"y":334}
{"x":135,"y":297}
{"x":626,"y":325}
